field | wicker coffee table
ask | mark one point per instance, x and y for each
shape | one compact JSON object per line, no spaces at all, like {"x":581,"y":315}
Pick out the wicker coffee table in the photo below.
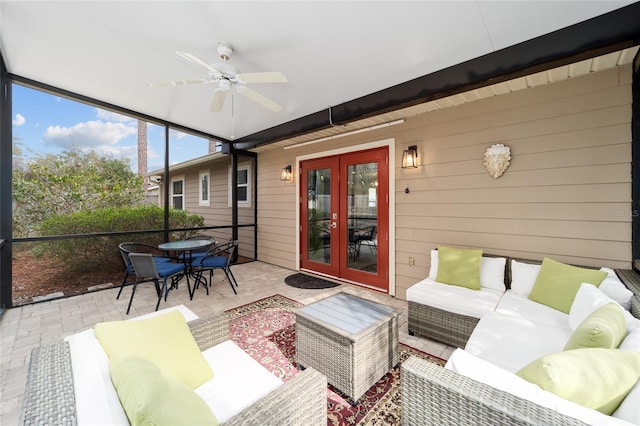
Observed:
{"x":352,"y":341}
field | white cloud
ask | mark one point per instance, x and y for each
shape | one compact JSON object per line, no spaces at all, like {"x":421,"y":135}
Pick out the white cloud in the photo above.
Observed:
{"x":176,"y":134}
{"x":88,"y":135}
{"x":113,"y":116}
{"x":19,"y":120}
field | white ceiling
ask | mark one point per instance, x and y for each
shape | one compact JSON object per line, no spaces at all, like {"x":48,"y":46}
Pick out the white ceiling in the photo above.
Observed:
{"x":332,"y":52}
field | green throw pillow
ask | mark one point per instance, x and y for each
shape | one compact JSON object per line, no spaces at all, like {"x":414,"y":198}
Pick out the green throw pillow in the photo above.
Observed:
{"x":557,"y":284}
{"x":151,"y":397}
{"x":592,"y":377}
{"x":461,"y":267}
{"x":164,"y":339}
{"x":604,"y":328}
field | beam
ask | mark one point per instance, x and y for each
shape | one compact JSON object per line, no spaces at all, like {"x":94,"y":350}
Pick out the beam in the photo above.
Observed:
{"x":597,"y":36}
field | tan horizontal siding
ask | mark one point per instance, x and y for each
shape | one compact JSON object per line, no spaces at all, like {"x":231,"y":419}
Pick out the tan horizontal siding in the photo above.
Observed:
{"x":566,"y":194}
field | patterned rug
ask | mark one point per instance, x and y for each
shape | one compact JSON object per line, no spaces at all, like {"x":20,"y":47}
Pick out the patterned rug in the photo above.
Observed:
{"x":265,"y":329}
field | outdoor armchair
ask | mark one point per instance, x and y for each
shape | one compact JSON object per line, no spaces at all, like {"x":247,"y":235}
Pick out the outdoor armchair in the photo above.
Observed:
{"x":219,"y":257}
{"x":147,"y":269}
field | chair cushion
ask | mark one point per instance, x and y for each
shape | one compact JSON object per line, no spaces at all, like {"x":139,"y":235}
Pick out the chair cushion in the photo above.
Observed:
{"x":166,"y":269}
{"x":461,"y":267}
{"x":557,"y":283}
{"x":523,"y":277}
{"x":213,"y":262}
{"x":151,"y":397}
{"x":593,"y":377}
{"x":604,"y":328}
{"x":165,"y":340}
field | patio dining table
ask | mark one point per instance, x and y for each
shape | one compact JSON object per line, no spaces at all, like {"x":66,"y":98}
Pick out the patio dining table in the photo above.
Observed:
{"x":187,"y":247}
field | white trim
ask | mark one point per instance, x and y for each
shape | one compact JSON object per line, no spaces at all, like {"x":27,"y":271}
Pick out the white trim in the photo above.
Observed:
{"x":341,"y":135}
{"x":242,"y":166}
{"x":201,"y":200}
{"x":390,"y":143}
{"x":184,"y":190}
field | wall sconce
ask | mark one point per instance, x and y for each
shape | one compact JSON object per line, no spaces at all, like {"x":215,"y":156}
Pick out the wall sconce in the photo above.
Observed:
{"x":410,"y":157}
{"x":286,"y":173}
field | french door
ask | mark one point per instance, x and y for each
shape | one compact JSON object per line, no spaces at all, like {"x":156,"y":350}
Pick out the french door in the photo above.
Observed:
{"x":344,"y":223}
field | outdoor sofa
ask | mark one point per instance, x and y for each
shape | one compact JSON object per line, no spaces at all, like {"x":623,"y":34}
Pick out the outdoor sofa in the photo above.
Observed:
{"x":507,"y":333}
{"x":61,"y":390}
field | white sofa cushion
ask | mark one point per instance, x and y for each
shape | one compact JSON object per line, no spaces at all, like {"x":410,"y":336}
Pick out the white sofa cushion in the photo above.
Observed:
{"x":466,"y":364}
{"x":96,"y":399}
{"x":491,"y":271}
{"x":629,"y":410}
{"x":238,"y":380}
{"x":511,"y":342}
{"x":523,"y":277}
{"x":452,"y":298}
{"x":230,"y":391}
{"x":514,"y":304}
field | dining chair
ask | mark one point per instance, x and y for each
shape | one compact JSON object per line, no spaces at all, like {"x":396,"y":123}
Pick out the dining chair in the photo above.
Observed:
{"x":146,"y":269}
{"x":133,"y":247}
{"x":220,"y":257}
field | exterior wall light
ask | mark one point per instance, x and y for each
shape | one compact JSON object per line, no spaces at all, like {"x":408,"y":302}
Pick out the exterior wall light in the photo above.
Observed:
{"x":286,"y":173}
{"x":410,"y":157}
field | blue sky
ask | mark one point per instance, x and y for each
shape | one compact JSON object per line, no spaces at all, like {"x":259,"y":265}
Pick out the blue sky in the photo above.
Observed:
{"x":44,"y":124}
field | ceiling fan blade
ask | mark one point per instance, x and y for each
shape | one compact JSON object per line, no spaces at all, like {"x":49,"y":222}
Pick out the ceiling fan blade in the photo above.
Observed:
{"x":218,"y":100}
{"x":194,"y":59}
{"x":257,"y":97}
{"x":262,"y":77}
{"x":177,"y":83}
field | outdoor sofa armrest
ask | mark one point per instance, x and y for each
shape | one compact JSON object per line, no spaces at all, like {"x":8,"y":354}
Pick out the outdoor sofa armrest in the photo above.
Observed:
{"x":433,"y":395}
{"x":302,"y":400}
{"x":210,"y":330}
{"x":49,"y":395}
{"x":631,"y":279}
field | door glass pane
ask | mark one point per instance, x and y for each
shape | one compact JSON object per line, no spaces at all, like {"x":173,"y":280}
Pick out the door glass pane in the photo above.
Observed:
{"x":362,"y":219}
{"x":318,"y":216}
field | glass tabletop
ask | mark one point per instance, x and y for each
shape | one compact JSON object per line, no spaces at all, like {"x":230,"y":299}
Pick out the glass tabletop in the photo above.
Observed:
{"x":183,"y":245}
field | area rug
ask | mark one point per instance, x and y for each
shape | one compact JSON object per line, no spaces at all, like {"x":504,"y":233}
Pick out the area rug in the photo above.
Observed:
{"x":265,"y":329}
{"x":308,"y":282}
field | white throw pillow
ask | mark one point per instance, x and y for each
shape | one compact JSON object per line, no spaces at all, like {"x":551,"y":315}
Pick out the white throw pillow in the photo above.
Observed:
{"x":433,"y":272}
{"x":523,"y":277}
{"x":615,"y":289}
{"x":491,"y":271}
{"x":631,"y":342}
{"x":587,"y":300}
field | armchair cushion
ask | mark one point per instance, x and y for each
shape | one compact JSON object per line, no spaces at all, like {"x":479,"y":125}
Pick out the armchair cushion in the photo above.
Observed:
{"x":557,"y":283}
{"x":149,"y":396}
{"x":604,"y":328}
{"x":165,"y":340}
{"x":596,"y":378}
{"x":461,"y":267}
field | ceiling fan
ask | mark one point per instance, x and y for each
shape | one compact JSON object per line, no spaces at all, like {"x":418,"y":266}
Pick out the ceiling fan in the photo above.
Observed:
{"x":226,"y":75}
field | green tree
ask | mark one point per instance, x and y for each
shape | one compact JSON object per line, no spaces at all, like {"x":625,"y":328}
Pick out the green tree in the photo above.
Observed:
{"x":73,"y":181}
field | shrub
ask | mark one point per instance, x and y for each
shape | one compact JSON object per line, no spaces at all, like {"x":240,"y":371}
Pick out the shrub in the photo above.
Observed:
{"x":81,"y":254}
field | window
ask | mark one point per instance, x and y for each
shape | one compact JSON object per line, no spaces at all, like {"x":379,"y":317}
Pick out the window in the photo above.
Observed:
{"x":204,"y":188}
{"x":243,"y":184}
{"x":177,"y":193}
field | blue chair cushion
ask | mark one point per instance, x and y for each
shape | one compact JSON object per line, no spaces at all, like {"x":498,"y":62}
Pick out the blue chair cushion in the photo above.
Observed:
{"x":166,"y":269}
{"x":213,"y":262}
{"x":158,"y":260}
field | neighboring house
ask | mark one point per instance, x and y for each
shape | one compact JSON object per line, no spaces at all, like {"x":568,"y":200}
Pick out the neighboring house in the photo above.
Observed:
{"x":203,"y":186}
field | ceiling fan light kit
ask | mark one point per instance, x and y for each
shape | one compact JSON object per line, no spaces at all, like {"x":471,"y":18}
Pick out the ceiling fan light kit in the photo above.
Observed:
{"x":225,"y":75}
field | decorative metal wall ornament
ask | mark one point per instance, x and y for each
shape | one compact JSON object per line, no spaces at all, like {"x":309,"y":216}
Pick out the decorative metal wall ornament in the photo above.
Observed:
{"x":497,"y":159}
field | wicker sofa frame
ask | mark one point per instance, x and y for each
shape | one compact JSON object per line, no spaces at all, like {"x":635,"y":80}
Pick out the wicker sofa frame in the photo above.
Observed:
{"x":433,"y":395}
{"x":49,"y":396}
{"x":455,"y":329}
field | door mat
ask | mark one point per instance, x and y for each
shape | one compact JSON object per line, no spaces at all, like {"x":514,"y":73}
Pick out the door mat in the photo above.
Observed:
{"x":308,"y":282}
